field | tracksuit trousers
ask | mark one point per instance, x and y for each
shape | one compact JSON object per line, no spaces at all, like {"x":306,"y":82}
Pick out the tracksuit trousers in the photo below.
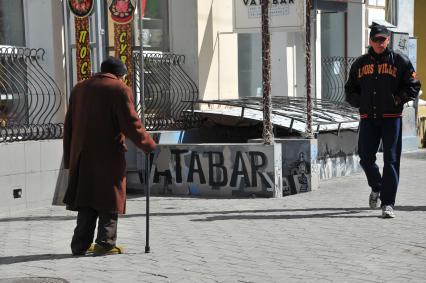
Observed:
{"x":371,"y":132}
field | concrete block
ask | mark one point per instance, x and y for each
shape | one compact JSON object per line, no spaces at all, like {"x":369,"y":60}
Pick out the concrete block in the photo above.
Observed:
{"x":32,"y":156}
{"x":29,"y":168}
{"x":220,"y":170}
{"x":409,"y":131}
{"x":51,"y":153}
{"x":6,"y":196}
{"x":34,"y":187}
{"x":48,"y":185}
{"x":299,"y":165}
{"x":338,"y":154}
{"x":300,"y":171}
{"x":12,"y":158}
{"x":17,"y":183}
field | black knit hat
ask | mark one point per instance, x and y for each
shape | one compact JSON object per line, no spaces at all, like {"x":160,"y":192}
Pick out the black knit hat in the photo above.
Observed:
{"x":378,"y":31}
{"x":114,"y":66}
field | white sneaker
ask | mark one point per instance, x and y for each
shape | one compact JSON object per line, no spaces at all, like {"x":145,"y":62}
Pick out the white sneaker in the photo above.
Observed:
{"x":387,"y":211}
{"x":374,"y":197}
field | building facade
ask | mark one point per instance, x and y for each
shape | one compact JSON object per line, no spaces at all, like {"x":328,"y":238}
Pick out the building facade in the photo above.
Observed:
{"x":222,"y":63}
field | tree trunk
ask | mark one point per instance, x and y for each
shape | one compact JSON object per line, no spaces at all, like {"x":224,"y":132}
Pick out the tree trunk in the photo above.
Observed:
{"x":309,"y":133}
{"x":268,"y":136}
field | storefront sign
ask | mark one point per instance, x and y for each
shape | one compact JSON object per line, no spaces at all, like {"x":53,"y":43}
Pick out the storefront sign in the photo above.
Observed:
{"x":82,"y":9}
{"x":122,"y":15}
{"x":285,"y":15}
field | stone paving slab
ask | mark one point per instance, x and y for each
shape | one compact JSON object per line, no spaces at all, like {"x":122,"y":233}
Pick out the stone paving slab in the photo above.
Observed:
{"x":328,"y":235}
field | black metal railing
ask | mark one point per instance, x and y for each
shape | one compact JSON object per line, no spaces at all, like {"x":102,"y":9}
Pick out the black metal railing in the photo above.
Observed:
{"x":29,"y":97}
{"x":335,"y":72}
{"x":170,"y":94}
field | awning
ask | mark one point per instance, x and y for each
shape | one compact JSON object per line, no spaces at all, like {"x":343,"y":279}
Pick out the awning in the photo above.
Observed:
{"x":287,"y":112}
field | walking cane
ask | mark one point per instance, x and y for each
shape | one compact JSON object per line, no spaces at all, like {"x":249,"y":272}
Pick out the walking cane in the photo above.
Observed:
{"x":148,"y":192}
{"x":141,"y":6}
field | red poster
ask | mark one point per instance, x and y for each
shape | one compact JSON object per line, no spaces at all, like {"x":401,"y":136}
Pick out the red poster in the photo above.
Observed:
{"x":84,"y":69}
{"x":123,"y":48}
{"x":122,"y":14}
{"x":81,"y":10}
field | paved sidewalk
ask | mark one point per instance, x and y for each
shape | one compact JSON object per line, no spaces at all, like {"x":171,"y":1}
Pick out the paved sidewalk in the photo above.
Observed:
{"x":328,"y":235}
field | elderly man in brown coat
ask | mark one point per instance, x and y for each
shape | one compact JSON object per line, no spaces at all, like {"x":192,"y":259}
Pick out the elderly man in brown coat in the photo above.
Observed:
{"x":101,"y":114}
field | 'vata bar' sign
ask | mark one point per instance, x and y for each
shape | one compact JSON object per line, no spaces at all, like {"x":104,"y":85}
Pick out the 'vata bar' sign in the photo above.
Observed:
{"x":285,"y":15}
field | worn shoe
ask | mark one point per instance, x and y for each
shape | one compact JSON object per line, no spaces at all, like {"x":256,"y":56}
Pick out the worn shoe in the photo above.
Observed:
{"x":374,"y":197}
{"x":98,"y":250}
{"x":91,"y":249}
{"x":387,"y":211}
{"x":88,"y":252}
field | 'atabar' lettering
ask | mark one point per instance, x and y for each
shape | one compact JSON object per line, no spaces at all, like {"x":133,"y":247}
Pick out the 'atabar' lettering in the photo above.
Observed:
{"x":244,"y":163}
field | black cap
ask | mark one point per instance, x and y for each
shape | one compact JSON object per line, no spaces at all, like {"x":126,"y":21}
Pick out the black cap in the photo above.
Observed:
{"x":114,"y":66}
{"x":378,"y":30}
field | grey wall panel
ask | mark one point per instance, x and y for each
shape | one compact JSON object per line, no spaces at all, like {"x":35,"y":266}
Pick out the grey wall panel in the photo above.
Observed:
{"x":28,"y":174}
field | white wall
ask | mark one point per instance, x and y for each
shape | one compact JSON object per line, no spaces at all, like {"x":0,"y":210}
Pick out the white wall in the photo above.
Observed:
{"x":183,"y":33}
{"x":356,"y":24}
{"x":32,"y":167}
{"x":406,"y":16}
{"x":300,"y":79}
{"x":279,"y":64}
{"x":207,"y":26}
{"x":217,"y":50}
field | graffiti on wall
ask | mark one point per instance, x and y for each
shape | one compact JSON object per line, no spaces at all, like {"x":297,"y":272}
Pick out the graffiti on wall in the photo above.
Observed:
{"x":337,"y":155}
{"x":296,"y":175}
{"x":338,"y":164}
{"x":298,"y":157}
{"x":218,"y":170}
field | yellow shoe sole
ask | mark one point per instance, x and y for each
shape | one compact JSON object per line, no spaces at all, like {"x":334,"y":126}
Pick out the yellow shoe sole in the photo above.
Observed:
{"x":101,"y":251}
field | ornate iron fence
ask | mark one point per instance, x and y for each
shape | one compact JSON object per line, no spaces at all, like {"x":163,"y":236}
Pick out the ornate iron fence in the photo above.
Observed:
{"x":169,"y":92}
{"x":335,"y":72}
{"x":29,"y":97}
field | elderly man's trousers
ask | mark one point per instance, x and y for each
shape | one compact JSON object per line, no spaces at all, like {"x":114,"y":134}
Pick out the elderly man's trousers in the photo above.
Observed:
{"x":85,"y":230}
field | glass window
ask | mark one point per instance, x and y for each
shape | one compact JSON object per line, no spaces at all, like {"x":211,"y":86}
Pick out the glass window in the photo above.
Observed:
{"x":333,"y":53}
{"x":376,"y":2}
{"x":380,"y":11}
{"x":12,"y":30}
{"x":249,"y":64}
{"x":155,"y":26}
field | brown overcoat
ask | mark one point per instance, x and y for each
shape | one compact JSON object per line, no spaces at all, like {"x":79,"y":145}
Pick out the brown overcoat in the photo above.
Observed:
{"x":101,"y":113}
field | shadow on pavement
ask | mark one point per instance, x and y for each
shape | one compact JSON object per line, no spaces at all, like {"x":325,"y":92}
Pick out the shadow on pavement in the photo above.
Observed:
{"x":343,"y":214}
{"x":27,"y":258}
{"x":340,"y":212}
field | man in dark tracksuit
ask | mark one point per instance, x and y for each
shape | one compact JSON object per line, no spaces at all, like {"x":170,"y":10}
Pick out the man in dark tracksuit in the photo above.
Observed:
{"x":379,"y":84}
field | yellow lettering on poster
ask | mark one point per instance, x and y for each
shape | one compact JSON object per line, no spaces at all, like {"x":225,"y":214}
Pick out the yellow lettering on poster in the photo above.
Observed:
{"x":83,"y":34}
{"x":83,"y":68}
